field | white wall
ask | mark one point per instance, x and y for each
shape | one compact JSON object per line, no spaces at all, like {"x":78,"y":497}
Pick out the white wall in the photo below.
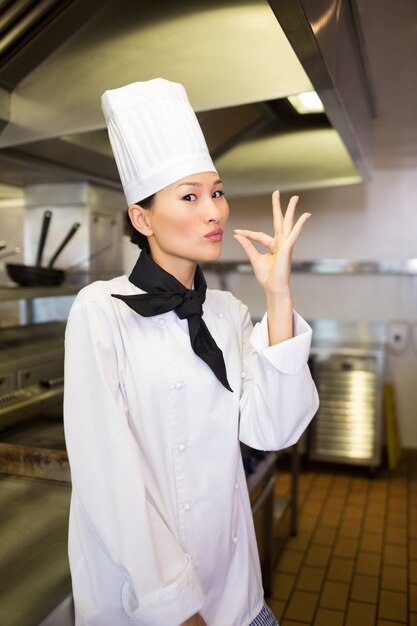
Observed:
{"x":370,"y":221}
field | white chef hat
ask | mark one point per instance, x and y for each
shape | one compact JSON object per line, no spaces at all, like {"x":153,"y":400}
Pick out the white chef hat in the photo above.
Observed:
{"x":155,"y":136}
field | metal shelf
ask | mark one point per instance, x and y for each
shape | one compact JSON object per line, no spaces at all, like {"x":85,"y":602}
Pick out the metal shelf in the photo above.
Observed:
{"x":383,"y":267}
{"x":10,"y":292}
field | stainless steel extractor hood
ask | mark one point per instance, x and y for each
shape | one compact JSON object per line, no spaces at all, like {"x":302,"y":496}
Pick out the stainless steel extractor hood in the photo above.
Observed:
{"x":238,"y":61}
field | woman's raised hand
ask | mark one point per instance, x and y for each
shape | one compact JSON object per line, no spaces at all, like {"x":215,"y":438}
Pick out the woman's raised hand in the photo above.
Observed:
{"x":273,"y":268}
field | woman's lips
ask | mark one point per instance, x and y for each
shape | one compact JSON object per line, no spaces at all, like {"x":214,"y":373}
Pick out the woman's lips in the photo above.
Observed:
{"x":215,"y":235}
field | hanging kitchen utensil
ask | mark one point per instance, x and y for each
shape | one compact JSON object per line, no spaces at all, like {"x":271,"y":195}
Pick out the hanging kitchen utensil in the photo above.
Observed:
{"x":60,"y":248}
{"x":47,"y":216}
{"x":37,"y":276}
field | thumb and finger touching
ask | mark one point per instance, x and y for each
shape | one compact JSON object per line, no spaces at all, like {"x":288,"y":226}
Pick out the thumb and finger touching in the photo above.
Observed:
{"x":286,"y":232}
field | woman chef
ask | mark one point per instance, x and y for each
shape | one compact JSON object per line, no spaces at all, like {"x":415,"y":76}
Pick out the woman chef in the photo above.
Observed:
{"x":162,"y":381}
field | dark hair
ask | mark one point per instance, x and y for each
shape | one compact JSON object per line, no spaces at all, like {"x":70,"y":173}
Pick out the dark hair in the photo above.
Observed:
{"x":135,"y":236}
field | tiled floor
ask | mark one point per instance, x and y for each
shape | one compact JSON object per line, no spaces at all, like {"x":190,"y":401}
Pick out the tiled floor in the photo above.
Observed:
{"x":354,"y":559}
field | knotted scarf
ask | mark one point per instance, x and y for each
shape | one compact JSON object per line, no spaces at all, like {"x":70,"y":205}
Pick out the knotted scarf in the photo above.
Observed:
{"x":165,"y":293}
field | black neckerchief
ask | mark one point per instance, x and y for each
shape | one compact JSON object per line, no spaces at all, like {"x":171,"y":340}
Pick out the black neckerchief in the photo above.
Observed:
{"x":165,"y":293}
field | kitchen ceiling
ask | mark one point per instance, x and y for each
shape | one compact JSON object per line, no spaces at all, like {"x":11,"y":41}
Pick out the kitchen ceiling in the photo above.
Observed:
{"x":235,"y":60}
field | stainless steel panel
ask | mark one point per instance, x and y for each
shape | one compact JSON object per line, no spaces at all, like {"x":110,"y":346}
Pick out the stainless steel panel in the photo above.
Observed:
{"x":28,"y":403}
{"x":347,"y":427}
{"x":40,"y":373}
{"x":7,"y":382}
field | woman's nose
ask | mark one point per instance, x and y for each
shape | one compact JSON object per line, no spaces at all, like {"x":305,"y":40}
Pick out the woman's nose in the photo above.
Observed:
{"x":213,"y":212}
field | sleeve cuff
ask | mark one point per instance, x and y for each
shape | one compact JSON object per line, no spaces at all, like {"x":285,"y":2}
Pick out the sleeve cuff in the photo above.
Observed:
{"x":290,"y":356}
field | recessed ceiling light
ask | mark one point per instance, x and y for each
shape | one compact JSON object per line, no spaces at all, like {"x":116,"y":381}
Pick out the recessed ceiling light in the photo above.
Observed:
{"x":307,"y":102}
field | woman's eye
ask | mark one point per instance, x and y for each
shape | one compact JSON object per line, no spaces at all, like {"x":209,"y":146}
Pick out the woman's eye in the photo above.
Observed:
{"x":218,"y":194}
{"x":190,"y":197}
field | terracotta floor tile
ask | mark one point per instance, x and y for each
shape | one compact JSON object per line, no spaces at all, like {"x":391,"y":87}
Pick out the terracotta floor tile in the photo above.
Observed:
{"x":412,"y":598}
{"x":340,"y":569}
{"x":398,"y":487}
{"x":370,"y":542}
{"x":397,"y":518}
{"x":360,"y":614}
{"x":412,"y":571}
{"x":334,"y":596}
{"x":394,"y":578}
{"x":396,"y":535}
{"x":376,"y":506}
{"x":307,"y":523}
{"x":395,"y":555}
{"x":357,"y":498}
{"x":323,"y":479}
{"x":324,"y":536}
{"x":317,"y":556}
{"x":300,"y":542}
{"x":357,"y":546}
{"x":337,"y":496}
{"x":353,"y":513}
{"x":282,"y":585}
{"x":393,"y":605}
{"x":277,"y":607}
{"x":289,"y":562}
{"x":378,"y":488}
{"x":373,"y":524}
{"x":317,"y":495}
{"x":312,"y":508}
{"x":334,"y":503}
{"x":330,"y":518}
{"x":310,"y":578}
{"x":302,"y":606}
{"x":365,"y":588}
{"x":349,"y":529}
{"x":283,"y":480}
{"x":345,"y":548}
{"x":359,"y":485}
{"x":328,"y":617}
{"x":281,"y":490}
{"x":368,"y":564}
{"x":398,"y":504}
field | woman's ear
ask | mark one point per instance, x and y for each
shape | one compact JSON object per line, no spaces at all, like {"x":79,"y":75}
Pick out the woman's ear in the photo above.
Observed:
{"x":140,"y":219}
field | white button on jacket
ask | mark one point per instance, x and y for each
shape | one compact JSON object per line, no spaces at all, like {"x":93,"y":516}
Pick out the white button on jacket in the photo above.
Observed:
{"x":136,"y":556}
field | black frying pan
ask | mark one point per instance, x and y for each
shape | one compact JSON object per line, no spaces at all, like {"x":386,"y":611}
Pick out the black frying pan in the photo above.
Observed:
{"x":35,"y":275}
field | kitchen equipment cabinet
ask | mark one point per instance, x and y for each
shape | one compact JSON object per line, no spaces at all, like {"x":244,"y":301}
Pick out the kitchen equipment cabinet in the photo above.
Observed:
{"x":31,"y":396}
{"x":348,"y":368}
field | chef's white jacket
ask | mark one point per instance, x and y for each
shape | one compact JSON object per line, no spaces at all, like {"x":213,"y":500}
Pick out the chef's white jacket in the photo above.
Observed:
{"x":160,"y":521}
